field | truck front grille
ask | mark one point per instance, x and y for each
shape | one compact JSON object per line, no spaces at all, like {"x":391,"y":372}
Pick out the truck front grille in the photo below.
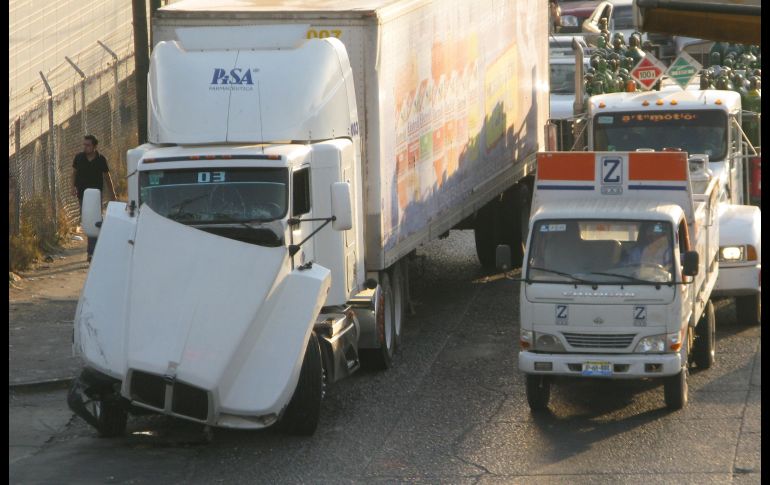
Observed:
{"x":601,"y":341}
{"x":186,"y":400}
{"x":148,"y":389}
{"x":190,"y":401}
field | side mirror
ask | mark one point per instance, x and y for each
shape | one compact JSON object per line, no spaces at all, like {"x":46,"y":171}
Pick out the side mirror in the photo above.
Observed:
{"x":503,"y":257}
{"x":690,"y":263}
{"x":342,"y":210}
{"x":91,"y":214}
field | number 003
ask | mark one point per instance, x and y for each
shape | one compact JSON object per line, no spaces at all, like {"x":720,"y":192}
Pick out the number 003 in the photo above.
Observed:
{"x":322,"y":34}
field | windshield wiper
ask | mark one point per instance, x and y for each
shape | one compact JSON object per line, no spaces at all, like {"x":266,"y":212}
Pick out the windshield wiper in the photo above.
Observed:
{"x":631,"y":278}
{"x":560,"y":273}
{"x":185,"y":202}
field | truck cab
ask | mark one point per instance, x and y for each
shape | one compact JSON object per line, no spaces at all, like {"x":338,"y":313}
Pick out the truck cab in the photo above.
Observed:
{"x":620,"y":265}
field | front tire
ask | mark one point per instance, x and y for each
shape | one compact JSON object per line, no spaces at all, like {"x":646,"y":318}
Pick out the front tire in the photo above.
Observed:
{"x":748,"y":309}
{"x":303,"y":411}
{"x":538,"y":392}
{"x":675,"y":390}
{"x":111,"y":418}
{"x":704,"y":352}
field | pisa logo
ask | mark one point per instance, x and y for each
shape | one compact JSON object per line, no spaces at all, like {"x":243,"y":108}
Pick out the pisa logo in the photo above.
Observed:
{"x":236,"y":76}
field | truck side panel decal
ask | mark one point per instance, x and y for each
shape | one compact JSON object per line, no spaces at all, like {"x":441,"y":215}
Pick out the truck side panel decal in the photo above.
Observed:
{"x":566,"y":166}
{"x":657,"y":166}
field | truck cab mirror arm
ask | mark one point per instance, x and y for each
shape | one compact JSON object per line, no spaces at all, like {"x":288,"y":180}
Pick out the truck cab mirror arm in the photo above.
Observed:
{"x":294,"y":248}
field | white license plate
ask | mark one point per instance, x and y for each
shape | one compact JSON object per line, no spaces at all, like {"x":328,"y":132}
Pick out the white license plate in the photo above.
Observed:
{"x":597,"y":369}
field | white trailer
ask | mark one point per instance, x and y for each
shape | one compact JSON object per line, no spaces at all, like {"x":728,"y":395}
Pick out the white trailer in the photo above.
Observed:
{"x":218,"y":293}
{"x":621,"y":264}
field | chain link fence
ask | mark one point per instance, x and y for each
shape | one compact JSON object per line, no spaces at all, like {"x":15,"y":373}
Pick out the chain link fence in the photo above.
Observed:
{"x":44,"y":138}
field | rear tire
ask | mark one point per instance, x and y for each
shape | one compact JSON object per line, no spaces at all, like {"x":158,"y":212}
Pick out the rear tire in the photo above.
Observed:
{"x":748,"y":309}
{"x":538,"y":392}
{"x":302,"y":413}
{"x":398,"y":281}
{"x":704,"y":352}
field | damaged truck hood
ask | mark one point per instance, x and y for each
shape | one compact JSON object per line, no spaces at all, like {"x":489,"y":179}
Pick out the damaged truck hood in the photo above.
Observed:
{"x":171,"y":300}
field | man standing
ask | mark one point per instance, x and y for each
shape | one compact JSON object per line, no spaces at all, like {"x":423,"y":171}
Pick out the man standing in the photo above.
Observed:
{"x":90,"y":170}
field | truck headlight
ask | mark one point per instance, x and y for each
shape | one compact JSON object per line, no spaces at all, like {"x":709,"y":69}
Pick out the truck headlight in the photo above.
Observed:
{"x":548,"y":342}
{"x":525,"y":339}
{"x":731,"y":253}
{"x":653,"y":343}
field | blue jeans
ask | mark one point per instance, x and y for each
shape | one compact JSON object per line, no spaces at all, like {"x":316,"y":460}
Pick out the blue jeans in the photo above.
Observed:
{"x":91,"y":240}
{"x":91,"y":245}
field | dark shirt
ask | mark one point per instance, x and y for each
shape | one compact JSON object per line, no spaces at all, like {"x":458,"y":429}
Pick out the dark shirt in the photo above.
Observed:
{"x":89,"y":174}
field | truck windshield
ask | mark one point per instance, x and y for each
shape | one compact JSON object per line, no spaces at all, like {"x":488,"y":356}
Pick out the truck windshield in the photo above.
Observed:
{"x":219,"y":195}
{"x":563,"y":78}
{"x":601,"y":251}
{"x":702,"y":131}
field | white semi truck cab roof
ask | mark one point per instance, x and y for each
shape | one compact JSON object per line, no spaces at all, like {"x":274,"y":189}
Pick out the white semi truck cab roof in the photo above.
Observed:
{"x":671,"y":98}
{"x":264,"y":87}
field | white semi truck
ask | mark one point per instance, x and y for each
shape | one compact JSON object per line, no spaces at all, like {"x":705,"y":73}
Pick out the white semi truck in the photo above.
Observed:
{"x":706,"y":124}
{"x":620,"y":268}
{"x":296,"y":157}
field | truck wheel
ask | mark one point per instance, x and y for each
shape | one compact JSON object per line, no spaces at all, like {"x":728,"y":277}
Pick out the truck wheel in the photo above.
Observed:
{"x":705,"y":341}
{"x":301,"y":414}
{"x":486,"y":234}
{"x":749,"y":309}
{"x":398,"y":279}
{"x":524,"y":207}
{"x":382,"y":358}
{"x":675,"y":390}
{"x":110,"y":416}
{"x":538,"y":392}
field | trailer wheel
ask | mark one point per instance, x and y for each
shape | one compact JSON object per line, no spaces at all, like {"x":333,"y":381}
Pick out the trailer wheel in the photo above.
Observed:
{"x":110,"y":416}
{"x":538,"y":392}
{"x":748,"y":309}
{"x":382,"y":357}
{"x":524,"y":207}
{"x":486,"y":235}
{"x":705,"y":342}
{"x":398,"y":279}
{"x":301,"y":414}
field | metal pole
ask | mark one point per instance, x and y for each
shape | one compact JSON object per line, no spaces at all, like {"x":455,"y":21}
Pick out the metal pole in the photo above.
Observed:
{"x":52,"y":153}
{"x":115,"y":121}
{"x":142,"y":63}
{"x":154,"y":5}
{"x":82,"y":92}
{"x":19,"y":178}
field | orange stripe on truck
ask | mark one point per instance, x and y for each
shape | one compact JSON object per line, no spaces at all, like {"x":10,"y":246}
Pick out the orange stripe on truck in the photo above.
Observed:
{"x":566,"y":166}
{"x":657,"y":166}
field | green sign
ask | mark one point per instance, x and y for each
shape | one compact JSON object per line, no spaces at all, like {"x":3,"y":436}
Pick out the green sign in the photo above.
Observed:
{"x":683,"y":69}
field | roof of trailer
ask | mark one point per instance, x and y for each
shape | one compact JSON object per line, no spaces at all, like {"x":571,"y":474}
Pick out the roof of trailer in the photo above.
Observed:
{"x":282,"y":5}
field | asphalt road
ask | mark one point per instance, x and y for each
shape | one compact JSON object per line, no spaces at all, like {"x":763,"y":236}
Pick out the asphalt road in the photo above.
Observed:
{"x":452,"y":410}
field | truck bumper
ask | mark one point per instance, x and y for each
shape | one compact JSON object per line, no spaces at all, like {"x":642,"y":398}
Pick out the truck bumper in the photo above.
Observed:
{"x":737,"y":281}
{"x":624,"y":366}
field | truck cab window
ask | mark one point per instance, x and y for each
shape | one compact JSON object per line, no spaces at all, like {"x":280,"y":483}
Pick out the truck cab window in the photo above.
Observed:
{"x":301,"y":192}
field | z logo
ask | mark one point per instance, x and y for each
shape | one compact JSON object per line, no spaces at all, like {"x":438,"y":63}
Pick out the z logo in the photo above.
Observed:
{"x":561,"y":314}
{"x":640,"y":316}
